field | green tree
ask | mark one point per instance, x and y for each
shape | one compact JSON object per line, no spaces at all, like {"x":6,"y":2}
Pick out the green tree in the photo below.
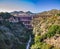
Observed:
{"x":5,"y":15}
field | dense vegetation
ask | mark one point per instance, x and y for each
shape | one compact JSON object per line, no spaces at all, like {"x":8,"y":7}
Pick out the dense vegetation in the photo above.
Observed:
{"x":5,"y":15}
{"x":46,"y":27}
{"x":12,"y":35}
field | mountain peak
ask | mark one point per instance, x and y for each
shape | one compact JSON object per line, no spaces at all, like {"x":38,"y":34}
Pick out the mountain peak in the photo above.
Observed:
{"x":29,"y":12}
{"x":21,"y":12}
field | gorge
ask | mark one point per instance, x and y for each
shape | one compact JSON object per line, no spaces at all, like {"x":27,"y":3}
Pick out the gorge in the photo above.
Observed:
{"x":29,"y":30}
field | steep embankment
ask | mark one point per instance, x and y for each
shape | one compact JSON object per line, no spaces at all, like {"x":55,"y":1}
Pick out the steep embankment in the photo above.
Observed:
{"x":47,"y":30}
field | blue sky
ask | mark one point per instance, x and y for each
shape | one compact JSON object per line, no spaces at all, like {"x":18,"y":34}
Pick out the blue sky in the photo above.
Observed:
{"x":29,"y":5}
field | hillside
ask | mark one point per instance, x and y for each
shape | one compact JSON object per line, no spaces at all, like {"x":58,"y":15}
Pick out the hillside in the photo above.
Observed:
{"x":12,"y":35}
{"x":51,"y":12}
{"x":46,"y":28}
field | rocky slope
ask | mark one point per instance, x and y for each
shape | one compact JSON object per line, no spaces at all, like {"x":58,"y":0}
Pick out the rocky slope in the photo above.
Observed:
{"x":46,"y":29}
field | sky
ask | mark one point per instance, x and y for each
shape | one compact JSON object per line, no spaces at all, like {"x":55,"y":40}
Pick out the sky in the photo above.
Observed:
{"x":34,"y":6}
